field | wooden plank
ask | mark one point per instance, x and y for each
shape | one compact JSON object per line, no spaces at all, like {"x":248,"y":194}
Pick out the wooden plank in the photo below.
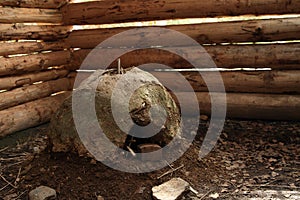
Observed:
{"x":8,"y":83}
{"x":277,"y":56}
{"x":26,"y":15}
{"x":269,"y":82}
{"x":12,"y":48}
{"x":249,"y":106}
{"x":35,"y":62}
{"x":33,"y":3}
{"x":33,"y":92}
{"x":30,"y":114}
{"x":206,"y":33}
{"x":33,"y":32}
{"x":113,"y":11}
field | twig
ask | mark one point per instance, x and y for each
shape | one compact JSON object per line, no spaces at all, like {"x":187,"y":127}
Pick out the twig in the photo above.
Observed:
{"x":205,"y":195}
{"x":170,"y":171}
{"x":169,"y":164}
{"x":3,"y":149}
{"x":8,"y":166}
{"x":229,"y":182}
{"x":8,"y":182}
{"x":9,"y":159}
{"x":278,"y":186}
{"x":21,"y":194}
{"x":119,"y":66}
{"x":131,"y":151}
{"x":18,"y":176}
{"x":4,"y":187}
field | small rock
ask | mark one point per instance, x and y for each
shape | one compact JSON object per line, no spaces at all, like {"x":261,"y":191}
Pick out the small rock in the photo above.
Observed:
{"x":214,"y":195}
{"x":36,"y":150}
{"x":42,"y":193}
{"x":170,"y":190}
{"x":274,"y":174}
{"x":99,"y":197}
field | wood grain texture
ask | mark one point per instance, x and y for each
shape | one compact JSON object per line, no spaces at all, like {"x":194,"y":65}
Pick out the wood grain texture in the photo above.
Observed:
{"x":35,"y":62}
{"x":268,"y":82}
{"x":10,"y":82}
{"x":34,"y":3}
{"x":29,"y":114}
{"x":27,"y":15}
{"x":113,"y":11}
{"x":33,"y":92}
{"x":33,"y":32}
{"x":13,"y":48}
{"x":206,"y":33}
{"x":249,"y":106}
{"x":277,"y":56}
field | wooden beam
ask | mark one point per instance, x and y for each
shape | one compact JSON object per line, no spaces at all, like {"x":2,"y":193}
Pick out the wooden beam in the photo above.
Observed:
{"x":33,"y":92}
{"x":269,"y":82}
{"x":113,"y":11}
{"x":249,"y":106}
{"x":35,"y":62}
{"x":12,"y":48}
{"x":30,"y":114}
{"x":277,"y":56}
{"x":206,"y":33}
{"x":27,"y":15}
{"x":11,"y":82}
{"x":34,"y":3}
{"x":33,"y":32}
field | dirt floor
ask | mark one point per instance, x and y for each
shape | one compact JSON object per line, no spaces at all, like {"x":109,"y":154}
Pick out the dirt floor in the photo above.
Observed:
{"x":252,"y":160}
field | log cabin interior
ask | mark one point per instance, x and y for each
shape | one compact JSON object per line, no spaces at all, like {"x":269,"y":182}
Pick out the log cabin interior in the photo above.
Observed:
{"x":43,"y":43}
{"x":255,"y":45}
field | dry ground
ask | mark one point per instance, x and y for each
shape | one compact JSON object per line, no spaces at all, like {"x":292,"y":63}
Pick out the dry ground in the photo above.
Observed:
{"x":253,"y":160}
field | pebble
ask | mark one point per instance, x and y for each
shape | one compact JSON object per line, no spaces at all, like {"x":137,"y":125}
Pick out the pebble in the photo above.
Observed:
{"x":100,"y":198}
{"x":170,"y":190}
{"x":42,"y":193}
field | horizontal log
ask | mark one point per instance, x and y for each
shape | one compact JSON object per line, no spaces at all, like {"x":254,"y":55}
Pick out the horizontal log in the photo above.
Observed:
{"x":33,"y":32}
{"x":113,"y":11}
{"x":269,"y":82}
{"x":31,"y":63}
{"x":11,"y":82}
{"x":30,"y":114}
{"x":12,"y":48}
{"x":279,"y":56}
{"x":33,"y":3}
{"x":206,"y":33}
{"x":27,"y":15}
{"x":33,"y":92}
{"x":249,"y":106}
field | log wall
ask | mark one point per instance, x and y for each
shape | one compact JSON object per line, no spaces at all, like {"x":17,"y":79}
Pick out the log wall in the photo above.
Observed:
{"x":34,"y":77}
{"x":240,"y":47}
{"x":40,"y":53}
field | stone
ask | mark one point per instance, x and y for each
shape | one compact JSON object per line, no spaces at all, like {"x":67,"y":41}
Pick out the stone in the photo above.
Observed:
{"x":214,"y":195}
{"x":99,"y":197}
{"x":42,"y":193}
{"x":63,"y":134}
{"x":170,"y":190}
